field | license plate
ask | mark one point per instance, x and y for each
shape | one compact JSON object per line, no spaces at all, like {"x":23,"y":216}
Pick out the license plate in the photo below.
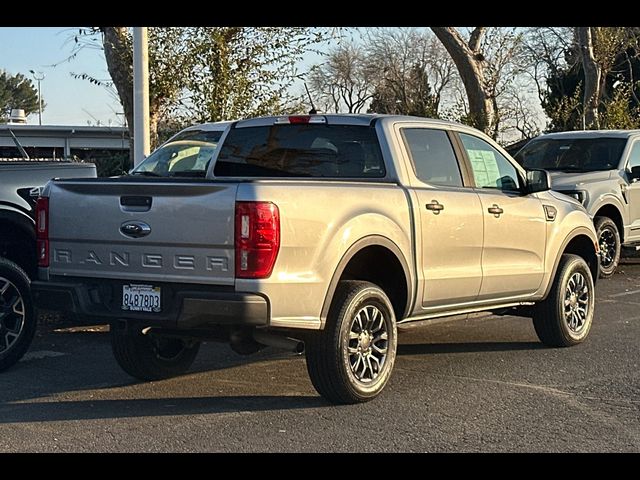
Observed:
{"x":141,"y":298}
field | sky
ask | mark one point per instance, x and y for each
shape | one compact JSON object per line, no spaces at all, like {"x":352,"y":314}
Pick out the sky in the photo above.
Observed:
{"x":69,"y":101}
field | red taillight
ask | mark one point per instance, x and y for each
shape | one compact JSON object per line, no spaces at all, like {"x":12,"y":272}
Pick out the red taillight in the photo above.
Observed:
{"x":42,"y":231}
{"x":257,"y":238}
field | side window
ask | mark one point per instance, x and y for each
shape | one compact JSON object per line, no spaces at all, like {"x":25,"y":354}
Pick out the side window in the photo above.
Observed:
{"x":432,"y":156}
{"x":490,"y":168}
{"x":634,"y":155}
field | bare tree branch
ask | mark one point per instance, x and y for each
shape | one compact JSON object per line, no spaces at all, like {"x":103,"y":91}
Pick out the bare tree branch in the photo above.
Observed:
{"x":475,"y":38}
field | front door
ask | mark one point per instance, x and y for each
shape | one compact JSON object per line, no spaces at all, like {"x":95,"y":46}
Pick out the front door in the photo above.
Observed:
{"x":514,"y":224}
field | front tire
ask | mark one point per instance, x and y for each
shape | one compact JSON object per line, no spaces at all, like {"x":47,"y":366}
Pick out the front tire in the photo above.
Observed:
{"x":18,"y":321}
{"x":565,"y":317}
{"x":610,"y":245}
{"x":151,"y":357}
{"x":351,"y":360}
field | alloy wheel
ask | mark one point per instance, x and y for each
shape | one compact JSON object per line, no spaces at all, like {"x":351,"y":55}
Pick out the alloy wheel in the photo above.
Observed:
{"x":12,"y":314}
{"x":368,"y":344}
{"x":576,"y":302}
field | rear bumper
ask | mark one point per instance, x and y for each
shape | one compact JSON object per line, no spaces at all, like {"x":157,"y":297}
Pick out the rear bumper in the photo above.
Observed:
{"x":183,"y":306}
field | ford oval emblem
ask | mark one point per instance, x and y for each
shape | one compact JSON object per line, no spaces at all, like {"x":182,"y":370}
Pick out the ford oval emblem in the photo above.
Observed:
{"x":135,"y":229}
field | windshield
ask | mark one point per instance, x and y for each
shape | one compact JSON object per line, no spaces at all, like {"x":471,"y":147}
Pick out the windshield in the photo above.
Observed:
{"x":334,"y":151}
{"x":572,"y":154}
{"x":185,"y":155}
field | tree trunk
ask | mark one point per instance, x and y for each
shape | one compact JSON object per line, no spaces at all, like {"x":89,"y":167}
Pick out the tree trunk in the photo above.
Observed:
{"x":154,"y":118}
{"x":119,"y":57}
{"x":469,"y":62}
{"x":592,"y":73}
{"x":118,"y":51}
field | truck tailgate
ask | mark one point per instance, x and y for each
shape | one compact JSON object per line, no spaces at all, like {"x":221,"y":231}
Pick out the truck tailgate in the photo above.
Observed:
{"x":164,"y":231}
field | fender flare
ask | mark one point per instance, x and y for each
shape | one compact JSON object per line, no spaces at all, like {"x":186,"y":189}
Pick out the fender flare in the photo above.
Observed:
{"x":610,"y":200}
{"x":574,"y":234}
{"x":368,"y":241}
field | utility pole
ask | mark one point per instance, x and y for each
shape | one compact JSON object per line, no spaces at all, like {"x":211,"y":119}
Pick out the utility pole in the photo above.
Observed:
{"x":140,"y":95}
{"x":38,"y":76}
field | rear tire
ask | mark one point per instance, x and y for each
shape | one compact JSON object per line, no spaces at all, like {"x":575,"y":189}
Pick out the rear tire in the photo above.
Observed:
{"x":151,"y":357}
{"x":565,"y":317}
{"x":351,"y":360}
{"x":18,"y":321}
{"x":610,"y":245}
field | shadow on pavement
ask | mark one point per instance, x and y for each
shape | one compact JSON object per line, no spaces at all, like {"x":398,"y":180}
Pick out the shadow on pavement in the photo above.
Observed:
{"x":28,"y":391}
{"x":468,"y":347}
{"x":83,"y":361}
{"x":149,"y":407}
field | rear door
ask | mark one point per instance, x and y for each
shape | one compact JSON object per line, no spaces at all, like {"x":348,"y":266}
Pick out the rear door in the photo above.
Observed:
{"x":165,"y":230}
{"x":514,"y":224}
{"x":449,"y":220}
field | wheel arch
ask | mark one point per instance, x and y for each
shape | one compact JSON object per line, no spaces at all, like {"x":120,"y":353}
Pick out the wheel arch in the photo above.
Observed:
{"x":580,"y":242}
{"x":17,"y":239}
{"x":397,"y":284}
{"x":614,"y":213}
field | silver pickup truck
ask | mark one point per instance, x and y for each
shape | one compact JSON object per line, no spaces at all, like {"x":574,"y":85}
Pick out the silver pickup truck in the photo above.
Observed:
{"x":322,"y":232}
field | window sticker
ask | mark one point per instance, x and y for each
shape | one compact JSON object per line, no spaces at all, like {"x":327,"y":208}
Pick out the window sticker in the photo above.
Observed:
{"x":485,"y":168}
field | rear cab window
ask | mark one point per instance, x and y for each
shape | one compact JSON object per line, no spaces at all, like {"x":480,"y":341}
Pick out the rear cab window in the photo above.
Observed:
{"x":301,"y":150}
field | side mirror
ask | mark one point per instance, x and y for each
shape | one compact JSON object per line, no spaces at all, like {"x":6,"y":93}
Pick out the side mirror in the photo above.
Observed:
{"x":538,"y":180}
{"x":635,"y":173}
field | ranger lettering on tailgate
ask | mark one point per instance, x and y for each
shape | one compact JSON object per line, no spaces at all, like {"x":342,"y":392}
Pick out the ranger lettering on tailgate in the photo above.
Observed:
{"x":144,"y":260}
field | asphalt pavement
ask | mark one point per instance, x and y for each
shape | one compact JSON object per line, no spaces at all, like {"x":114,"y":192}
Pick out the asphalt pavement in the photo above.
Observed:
{"x":481,"y":385}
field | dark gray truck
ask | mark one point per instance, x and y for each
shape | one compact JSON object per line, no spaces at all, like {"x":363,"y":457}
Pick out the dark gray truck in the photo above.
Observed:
{"x":20,"y":184}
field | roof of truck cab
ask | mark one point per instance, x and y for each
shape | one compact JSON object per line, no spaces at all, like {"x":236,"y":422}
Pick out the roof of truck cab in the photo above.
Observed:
{"x":347,"y":119}
{"x":591,"y":134}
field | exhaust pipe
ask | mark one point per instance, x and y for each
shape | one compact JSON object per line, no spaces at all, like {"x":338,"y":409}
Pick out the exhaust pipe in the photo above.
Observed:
{"x":278,"y":341}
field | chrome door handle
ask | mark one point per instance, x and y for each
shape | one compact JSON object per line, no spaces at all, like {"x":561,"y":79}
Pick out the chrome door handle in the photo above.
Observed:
{"x":435,"y":207}
{"x":496,"y":210}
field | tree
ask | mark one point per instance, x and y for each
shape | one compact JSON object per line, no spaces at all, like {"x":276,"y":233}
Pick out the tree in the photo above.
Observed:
{"x":412,"y":71}
{"x":497,"y":90}
{"x":544,"y":55}
{"x":399,"y":71}
{"x":344,"y":81}
{"x":17,"y":91}
{"x":592,"y":77}
{"x":471,"y":65}
{"x":169,"y":63}
{"x":553,"y":65}
{"x":201,"y":74}
{"x":608,"y":99}
{"x":509,"y":87}
{"x":244,"y":71}
{"x":416,"y":98}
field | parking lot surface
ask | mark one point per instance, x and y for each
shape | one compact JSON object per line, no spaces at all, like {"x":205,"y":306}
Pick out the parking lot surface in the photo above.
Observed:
{"x":485,"y":385}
